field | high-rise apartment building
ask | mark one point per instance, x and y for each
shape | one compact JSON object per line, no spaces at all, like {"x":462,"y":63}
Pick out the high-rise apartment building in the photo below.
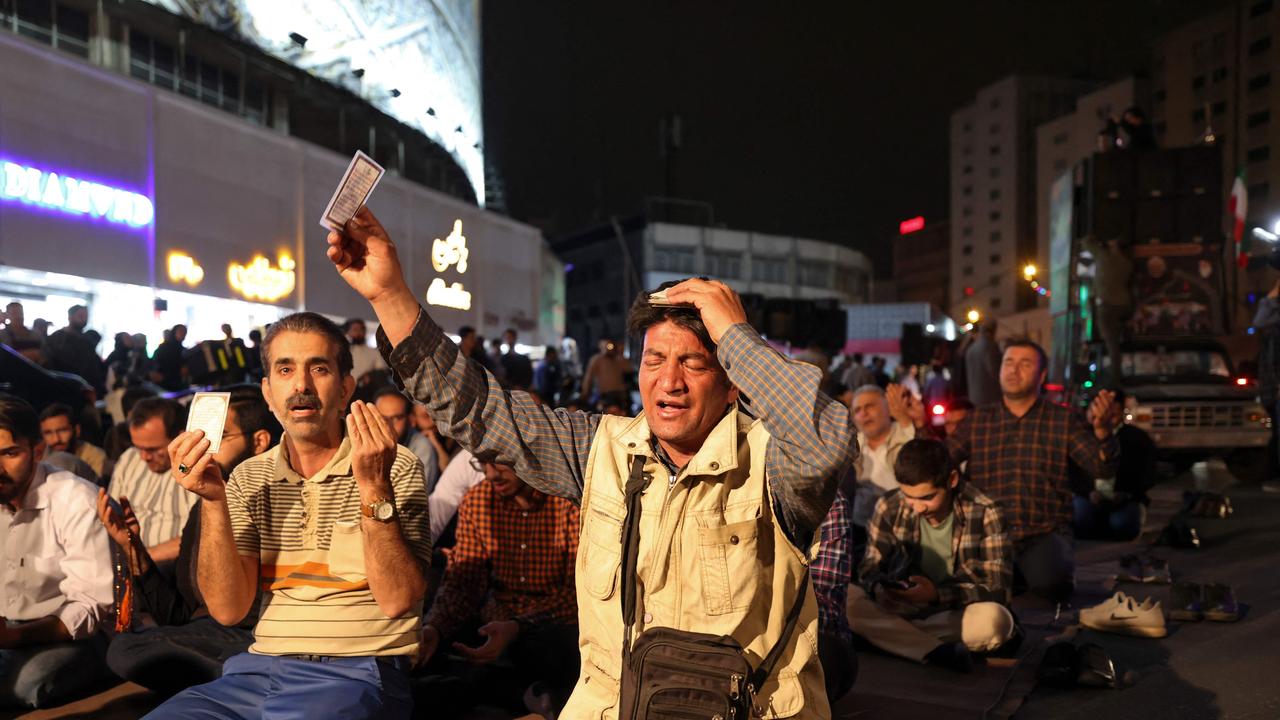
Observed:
{"x":994,"y":189}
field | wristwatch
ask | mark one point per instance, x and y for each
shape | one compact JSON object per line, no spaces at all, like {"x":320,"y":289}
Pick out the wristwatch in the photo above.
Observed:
{"x":382,"y":510}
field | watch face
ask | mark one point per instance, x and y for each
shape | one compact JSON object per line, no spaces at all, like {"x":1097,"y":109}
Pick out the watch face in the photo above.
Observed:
{"x":384,"y":511}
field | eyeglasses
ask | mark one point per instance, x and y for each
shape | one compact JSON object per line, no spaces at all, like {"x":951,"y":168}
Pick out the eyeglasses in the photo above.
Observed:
{"x":479,"y":465}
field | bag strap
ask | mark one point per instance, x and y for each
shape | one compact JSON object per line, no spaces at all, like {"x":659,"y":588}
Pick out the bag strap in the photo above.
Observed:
{"x":636,"y":483}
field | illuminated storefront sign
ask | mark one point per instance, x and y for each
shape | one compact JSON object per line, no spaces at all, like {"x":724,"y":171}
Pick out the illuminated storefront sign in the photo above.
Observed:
{"x":258,"y":280}
{"x":66,"y":194}
{"x":450,"y":296}
{"x":451,"y":251}
{"x":184,"y":269}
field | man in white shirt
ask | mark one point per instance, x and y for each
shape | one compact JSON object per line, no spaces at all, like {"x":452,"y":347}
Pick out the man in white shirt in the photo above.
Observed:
{"x":883,"y":420}
{"x":463,"y":473}
{"x":142,"y":476}
{"x":55,"y":572}
{"x":364,"y":359}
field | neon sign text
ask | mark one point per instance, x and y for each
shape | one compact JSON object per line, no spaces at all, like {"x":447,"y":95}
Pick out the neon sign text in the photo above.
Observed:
{"x":70,"y":195}
{"x":259,"y":281}
{"x":184,"y":268}
{"x":450,"y":296}
{"x":450,"y":251}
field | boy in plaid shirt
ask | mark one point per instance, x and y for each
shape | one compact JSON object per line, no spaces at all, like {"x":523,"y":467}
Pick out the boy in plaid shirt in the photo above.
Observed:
{"x":938,"y":568}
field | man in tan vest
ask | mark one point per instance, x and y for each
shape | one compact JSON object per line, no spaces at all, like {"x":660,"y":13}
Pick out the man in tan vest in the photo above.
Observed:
{"x":742,"y":451}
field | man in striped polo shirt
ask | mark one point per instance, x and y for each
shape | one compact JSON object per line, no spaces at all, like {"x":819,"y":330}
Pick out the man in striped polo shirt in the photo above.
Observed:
{"x":331,"y":525}
{"x":142,"y":476}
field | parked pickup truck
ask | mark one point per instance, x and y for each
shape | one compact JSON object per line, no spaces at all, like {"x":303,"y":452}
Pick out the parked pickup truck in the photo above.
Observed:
{"x":1184,"y":393}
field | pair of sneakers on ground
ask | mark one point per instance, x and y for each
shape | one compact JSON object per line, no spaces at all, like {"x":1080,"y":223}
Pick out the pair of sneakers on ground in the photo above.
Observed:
{"x":1125,"y":615}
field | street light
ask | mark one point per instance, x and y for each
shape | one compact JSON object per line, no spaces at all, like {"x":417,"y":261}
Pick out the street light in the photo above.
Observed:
{"x":1029,"y":271}
{"x":973,"y":316}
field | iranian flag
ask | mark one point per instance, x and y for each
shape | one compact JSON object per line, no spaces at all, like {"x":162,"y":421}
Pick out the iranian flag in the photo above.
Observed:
{"x":1238,"y":206}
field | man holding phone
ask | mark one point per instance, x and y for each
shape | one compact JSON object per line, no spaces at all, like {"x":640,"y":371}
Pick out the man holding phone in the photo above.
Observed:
{"x":938,"y":568}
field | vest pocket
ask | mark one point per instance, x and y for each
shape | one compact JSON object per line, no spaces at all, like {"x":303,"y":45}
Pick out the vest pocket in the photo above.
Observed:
{"x":602,"y":552}
{"x":729,"y":571}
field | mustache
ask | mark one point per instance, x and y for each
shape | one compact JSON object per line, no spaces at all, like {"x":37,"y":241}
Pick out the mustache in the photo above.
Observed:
{"x":303,"y":400}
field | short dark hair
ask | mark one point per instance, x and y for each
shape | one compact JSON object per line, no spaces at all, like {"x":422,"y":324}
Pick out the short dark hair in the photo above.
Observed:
{"x":75,"y":309}
{"x":170,"y":412}
{"x":465,"y":330}
{"x":1026,"y":342}
{"x":309,"y":322}
{"x":133,"y":395}
{"x":252,"y":412}
{"x":857,"y":357}
{"x":60,"y":409}
{"x":551,"y":349}
{"x":644,"y":316}
{"x":392,"y":390}
{"x":351,"y":322}
{"x":19,"y":418}
{"x":961,"y":403}
{"x":923,"y":461}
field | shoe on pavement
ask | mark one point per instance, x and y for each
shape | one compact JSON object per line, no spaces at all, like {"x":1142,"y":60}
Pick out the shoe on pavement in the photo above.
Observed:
{"x":1186,"y":602}
{"x":1220,"y":604}
{"x":1125,"y":616}
{"x":1156,"y":570}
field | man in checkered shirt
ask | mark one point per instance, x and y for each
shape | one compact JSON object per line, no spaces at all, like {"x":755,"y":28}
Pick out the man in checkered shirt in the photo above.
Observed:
{"x":1019,"y":450}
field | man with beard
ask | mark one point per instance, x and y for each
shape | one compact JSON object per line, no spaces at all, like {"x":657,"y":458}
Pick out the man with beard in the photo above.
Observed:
{"x":732,"y":501}
{"x":70,"y":350}
{"x":395,"y":409}
{"x":188,"y":647}
{"x":1018,"y":452}
{"x":61,"y":431}
{"x":141,"y":476}
{"x":55,"y":572}
{"x":364,"y":359}
{"x":331,"y":526}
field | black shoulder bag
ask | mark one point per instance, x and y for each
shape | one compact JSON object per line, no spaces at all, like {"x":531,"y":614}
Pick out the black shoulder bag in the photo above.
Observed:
{"x":677,"y":675}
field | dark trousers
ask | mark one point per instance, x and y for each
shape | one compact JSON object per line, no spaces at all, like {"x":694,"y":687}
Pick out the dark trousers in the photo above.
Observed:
{"x":839,"y":665}
{"x":39,"y":676}
{"x":170,"y":659}
{"x":1107,"y":520}
{"x":1045,"y":565}
{"x":543,"y":654}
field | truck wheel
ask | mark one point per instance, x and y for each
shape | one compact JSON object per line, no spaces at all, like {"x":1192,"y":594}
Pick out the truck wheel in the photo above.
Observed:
{"x":1250,"y":465}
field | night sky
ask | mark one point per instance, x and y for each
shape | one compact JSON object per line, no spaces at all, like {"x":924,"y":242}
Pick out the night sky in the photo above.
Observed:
{"x":829,"y":124}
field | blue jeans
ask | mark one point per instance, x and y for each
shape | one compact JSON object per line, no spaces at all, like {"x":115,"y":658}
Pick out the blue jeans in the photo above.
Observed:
{"x":285,"y":688}
{"x":43,"y":675}
{"x":1106,"y":520}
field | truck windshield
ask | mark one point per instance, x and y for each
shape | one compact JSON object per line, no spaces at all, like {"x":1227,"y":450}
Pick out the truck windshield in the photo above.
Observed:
{"x":1204,"y":363}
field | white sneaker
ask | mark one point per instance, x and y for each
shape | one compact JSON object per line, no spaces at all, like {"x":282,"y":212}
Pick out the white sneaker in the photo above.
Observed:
{"x":1123,"y":615}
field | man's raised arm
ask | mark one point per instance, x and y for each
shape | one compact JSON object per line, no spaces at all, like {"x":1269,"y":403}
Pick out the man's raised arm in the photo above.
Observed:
{"x":547,"y":448}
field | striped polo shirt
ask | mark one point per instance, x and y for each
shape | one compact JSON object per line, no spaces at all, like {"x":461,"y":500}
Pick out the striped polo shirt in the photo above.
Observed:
{"x":161,"y":504}
{"x":306,"y":535}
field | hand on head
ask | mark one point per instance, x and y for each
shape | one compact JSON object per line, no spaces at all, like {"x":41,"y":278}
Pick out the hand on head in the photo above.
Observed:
{"x":720,"y":306}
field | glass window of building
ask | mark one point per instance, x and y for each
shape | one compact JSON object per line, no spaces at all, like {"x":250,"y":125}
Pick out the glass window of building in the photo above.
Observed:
{"x":723,"y":265}
{"x":769,"y":269}
{"x":813,"y":273}
{"x":673,"y":259}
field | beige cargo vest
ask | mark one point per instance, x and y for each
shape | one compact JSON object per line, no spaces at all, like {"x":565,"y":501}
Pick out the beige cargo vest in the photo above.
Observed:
{"x":712,"y":559}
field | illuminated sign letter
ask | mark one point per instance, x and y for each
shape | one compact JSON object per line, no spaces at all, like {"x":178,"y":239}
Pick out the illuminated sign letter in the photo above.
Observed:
{"x":183,"y":268}
{"x":450,"y":296}
{"x":50,"y":190}
{"x":915,"y":224}
{"x":450,"y":251}
{"x":259,"y":281}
